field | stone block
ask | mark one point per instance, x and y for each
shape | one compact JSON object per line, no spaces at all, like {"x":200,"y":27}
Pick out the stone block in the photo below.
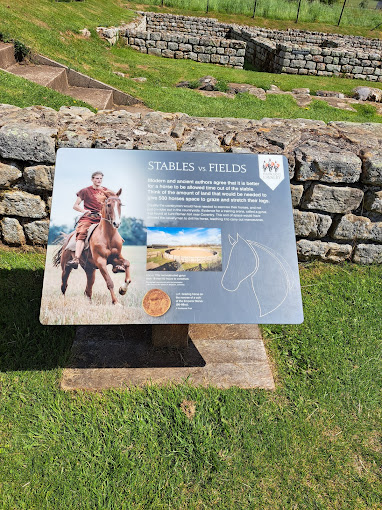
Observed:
{"x":154,"y":51}
{"x":185,"y":47}
{"x":12,"y":231}
{"x":332,"y":199}
{"x":154,"y":142}
{"x":237,"y":61}
{"x":309,"y":224}
{"x":162,"y":45}
{"x":352,"y":227}
{"x":326,"y":252}
{"x":310,"y":65}
{"x":326,"y":162}
{"x":9,"y":174}
{"x":193,"y":40}
{"x":373,"y":201}
{"x":110,"y":138}
{"x":173,"y":46}
{"x":203,"y":141}
{"x":296,"y":192}
{"x":368,"y":254}
{"x":39,"y":178}
{"x":202,"y":57}
{"x":167,"y":54}
{"x":37,"y":232}
{"x":155,"y":36}
{"x":20,"y":203}
{"x":28,"y":143}
{"x":372,"y":168}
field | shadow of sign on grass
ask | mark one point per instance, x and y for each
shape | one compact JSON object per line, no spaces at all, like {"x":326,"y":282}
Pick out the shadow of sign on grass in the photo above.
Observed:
{"x":25,"y":344}
{"x":127,"y":347}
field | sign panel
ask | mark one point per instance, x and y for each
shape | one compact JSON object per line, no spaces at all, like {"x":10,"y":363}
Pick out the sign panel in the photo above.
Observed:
{"x":190,"y":238}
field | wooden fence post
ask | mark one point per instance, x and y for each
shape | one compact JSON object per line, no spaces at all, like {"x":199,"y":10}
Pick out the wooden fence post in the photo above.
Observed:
{"x":254,"y":9}
{"x":342,"y":11}
{"x":298,"y":10}
{"x":208,"y":5}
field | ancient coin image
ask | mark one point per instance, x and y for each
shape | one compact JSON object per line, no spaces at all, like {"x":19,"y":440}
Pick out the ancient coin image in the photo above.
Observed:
{"x":156,"y":302}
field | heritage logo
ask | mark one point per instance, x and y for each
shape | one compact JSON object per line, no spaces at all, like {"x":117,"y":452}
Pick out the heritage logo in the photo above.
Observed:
{"x":271,"y":170}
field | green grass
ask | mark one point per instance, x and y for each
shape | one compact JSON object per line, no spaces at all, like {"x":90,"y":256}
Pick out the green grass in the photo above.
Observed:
{"x":314,"y":443}
{"x":310,"y":11}
{"x":52,"y":28}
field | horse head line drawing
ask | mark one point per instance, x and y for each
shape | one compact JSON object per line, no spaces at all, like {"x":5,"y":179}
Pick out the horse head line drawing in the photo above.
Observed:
{"x":229,"y":284}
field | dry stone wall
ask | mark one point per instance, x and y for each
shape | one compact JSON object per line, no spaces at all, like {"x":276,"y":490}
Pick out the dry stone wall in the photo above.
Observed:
{"x":335,"y":168}
{"x":185,"y":39}
{"x":278,"y":51}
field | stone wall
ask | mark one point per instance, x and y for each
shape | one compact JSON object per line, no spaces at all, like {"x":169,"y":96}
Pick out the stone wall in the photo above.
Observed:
{"x":183,"y":40}
{"x":190,"y":25}
{"x":335,"y":168}
{"x":290,"y":51}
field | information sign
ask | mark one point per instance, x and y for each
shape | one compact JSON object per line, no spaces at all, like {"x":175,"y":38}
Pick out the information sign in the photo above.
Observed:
{"x":207,"y":238}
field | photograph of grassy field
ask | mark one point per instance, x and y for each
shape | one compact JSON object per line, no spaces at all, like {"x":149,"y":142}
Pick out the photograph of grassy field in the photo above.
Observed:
{"x":75,"y":308}
{"x":156,"y":260}
{"x":183,"y":249}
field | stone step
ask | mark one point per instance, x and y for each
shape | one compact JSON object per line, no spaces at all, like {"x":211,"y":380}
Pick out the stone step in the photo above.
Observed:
{"x":49,"y":73}
{"x":7,"y":55}
{"x":52,"y":77}
{"x":102,"y":99}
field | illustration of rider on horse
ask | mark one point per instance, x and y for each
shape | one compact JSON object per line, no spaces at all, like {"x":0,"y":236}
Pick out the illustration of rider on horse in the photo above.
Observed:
{"x":92,"y":197}
{"x":101,"y":207}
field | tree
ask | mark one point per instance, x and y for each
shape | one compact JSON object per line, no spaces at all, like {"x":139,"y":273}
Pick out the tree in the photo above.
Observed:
{"x":133,"y":231}
{"x":56,"y":230}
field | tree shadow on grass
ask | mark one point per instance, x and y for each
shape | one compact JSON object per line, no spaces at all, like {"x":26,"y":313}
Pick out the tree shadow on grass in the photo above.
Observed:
{"x":24,"y":343}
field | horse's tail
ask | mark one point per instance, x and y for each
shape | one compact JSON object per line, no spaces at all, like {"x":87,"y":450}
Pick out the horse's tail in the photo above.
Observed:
{"x":61,"y":241}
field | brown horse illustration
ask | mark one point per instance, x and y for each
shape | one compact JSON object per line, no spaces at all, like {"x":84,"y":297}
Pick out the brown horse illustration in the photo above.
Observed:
{"x":105,"y":246}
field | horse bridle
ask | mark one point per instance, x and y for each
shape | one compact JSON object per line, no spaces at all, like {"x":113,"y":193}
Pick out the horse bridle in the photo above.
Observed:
{"x":106,"y":201}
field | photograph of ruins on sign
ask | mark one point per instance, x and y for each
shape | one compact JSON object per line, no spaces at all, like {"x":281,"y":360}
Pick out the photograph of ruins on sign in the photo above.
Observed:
{"x":184,"y":249}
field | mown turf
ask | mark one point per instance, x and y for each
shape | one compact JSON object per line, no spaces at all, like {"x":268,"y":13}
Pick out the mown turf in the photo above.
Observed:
{"x":52,"y":28}
{"x":314,"y":443}
{"x":313,"y":11}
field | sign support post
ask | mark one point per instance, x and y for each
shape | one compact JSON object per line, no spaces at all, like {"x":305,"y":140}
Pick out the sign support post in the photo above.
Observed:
{"x":170,"y":335}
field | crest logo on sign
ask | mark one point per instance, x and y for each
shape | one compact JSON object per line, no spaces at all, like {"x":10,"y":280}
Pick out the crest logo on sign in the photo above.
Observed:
{"x":271,"y":170}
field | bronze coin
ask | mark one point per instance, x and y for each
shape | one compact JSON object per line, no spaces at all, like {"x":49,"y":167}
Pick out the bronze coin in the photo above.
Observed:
{"x":156,"y":302}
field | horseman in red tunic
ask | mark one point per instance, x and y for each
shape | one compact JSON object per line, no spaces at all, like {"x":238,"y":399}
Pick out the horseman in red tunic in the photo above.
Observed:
{"x":92,"y":197}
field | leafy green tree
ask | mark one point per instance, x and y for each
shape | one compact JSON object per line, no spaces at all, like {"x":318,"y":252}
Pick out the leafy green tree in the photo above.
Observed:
{"x":56,"y":230}
{"x":133,"y":231}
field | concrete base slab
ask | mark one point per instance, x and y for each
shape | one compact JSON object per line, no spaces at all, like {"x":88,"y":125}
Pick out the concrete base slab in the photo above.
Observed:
{"x":117,"y":357}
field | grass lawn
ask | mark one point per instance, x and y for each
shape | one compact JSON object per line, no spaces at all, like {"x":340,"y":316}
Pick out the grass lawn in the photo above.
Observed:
{"x":52,"y":28}
{"x":314,"y":15}
{"x":314,"y":443}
